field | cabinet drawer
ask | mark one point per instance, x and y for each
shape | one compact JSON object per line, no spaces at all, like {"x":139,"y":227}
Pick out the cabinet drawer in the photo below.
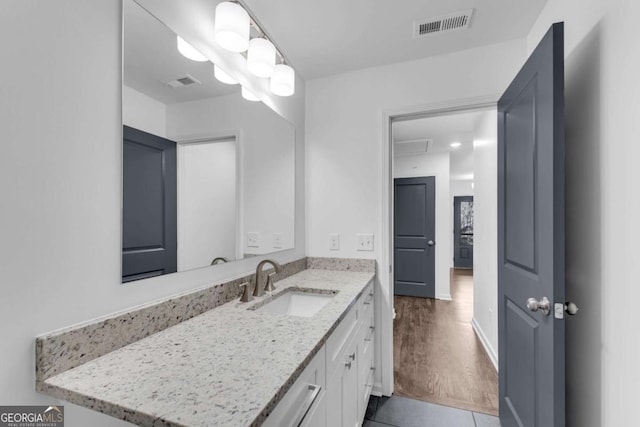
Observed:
{"x":304,"y":403}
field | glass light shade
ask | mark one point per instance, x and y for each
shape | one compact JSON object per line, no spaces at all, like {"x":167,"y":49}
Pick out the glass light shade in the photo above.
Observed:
{"x":261,"y":58}
{"x":222,"y":76}
{"x":232,"y":26}
{"x":283,"y":80}
{"x":249,"y":96}
{"x":189,"y":51}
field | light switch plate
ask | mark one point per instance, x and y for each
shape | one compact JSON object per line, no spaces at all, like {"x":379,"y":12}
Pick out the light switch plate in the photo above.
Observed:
{"x":334,"y":242}
{"x":253,"y":239}
{"x":277,"y":240}
{"x":365,"y":242}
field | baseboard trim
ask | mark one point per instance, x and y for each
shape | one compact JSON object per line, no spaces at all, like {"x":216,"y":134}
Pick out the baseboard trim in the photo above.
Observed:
{"x":485,"y":343}
{"x":445,"y":297}
{"x":377,"y":389}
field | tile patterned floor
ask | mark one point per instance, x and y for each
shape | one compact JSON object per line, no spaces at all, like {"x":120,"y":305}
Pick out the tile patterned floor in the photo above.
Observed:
{"x":399,"y":411}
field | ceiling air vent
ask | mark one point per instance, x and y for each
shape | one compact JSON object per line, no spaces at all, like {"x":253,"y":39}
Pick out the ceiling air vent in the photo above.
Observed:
{"x":187,"y":80}
{"x":439,"y":24}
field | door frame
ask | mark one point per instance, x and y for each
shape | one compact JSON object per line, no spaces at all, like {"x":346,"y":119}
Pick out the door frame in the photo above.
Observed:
{"x":385,"y":311}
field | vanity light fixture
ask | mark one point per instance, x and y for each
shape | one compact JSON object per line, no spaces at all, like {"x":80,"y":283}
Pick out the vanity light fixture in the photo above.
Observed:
{"x":283,"y":80}
{"x":261,"y":57}
{"x":455,"y":144}
{"x":189,"y":51}
{"x":246,"y":94}
{"x":231,"y":27}
{"x":222,"y":76}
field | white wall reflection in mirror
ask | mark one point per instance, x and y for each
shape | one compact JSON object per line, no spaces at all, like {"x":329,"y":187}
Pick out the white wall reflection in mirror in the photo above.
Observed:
{"x":231,"y":192}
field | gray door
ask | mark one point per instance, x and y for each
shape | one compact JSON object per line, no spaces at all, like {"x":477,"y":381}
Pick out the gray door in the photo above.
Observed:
{"x":463,"y":232}
{"x":149,"y":206}
{"x":414,"y":236}
{"x":531,"y":239}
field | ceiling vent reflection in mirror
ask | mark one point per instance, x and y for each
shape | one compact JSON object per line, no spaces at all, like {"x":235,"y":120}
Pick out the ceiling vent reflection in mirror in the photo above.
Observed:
{"x":443,"y":23}
{"x":187,"y":80}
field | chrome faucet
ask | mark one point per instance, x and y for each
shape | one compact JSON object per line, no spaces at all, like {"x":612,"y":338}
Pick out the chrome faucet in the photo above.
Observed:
{"x":259,"y":290}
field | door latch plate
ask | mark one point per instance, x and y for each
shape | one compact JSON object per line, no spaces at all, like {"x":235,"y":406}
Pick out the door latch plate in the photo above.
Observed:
{"x":558,"y":310}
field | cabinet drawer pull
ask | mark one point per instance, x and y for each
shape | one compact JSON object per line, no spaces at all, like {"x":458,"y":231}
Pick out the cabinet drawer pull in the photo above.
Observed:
{"x":353,"y":356}
{"x":348,"y":365}
{"x":313,"y":390}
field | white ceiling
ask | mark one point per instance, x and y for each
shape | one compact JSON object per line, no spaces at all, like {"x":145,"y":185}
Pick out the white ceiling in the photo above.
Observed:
{"x":328,"y":37}
{"x":442,"y":130}
{"x":151,"y":59}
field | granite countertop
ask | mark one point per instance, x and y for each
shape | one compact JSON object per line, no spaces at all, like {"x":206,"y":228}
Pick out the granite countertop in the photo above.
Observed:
{"x":228,"y":366}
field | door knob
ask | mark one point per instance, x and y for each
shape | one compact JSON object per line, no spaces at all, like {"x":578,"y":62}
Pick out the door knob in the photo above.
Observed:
{"x":431,"y":243}
{"x":542,"y":305}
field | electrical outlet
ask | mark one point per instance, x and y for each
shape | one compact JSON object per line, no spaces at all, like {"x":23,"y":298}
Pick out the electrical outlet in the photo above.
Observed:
{"x":365,"y":242}
{"x":334,"y":242}
{"x":277,"y":240}
{"x":253,"y":239}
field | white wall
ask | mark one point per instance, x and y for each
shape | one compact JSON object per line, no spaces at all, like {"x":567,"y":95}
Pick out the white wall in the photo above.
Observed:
{"x":602,"y":96}
{"x":485,"y":223}
{"x":266,"y":143}
{"x":461,"y":187}
{"x":60,"y":181}
{"x":142,"y":112}
{"x":434,"y":165}
{"x":207,"y":218}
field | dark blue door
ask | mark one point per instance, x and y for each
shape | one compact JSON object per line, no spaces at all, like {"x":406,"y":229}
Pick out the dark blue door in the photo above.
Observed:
{"x":531,"y":240}
{"x":463,"y":232}
{"x":149,"y":207}
{"x":414,"y":236}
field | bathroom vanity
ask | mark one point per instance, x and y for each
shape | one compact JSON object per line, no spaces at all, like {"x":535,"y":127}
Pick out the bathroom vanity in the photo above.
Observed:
{"x":236,"y":364}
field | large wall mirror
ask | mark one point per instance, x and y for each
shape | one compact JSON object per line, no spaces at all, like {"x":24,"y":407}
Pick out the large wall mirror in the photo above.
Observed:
{"x":208,"y":177}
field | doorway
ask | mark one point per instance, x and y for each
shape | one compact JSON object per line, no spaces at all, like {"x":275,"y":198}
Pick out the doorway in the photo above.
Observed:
{"x":441,"y":350}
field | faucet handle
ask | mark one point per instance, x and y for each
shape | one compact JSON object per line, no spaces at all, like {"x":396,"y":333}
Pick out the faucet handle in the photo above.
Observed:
{"x":246,"y":294}
{"x":269,"y":287}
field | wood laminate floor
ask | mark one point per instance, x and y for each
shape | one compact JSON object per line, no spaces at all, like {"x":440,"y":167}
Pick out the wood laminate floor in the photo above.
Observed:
{"x":437,"y":356}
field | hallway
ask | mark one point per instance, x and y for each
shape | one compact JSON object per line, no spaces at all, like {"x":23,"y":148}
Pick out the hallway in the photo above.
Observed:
{"x":437,"y":356}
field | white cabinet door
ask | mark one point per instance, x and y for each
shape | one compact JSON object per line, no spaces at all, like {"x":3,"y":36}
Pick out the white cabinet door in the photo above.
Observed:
{"x":350,"y":411}
{"x":342,"y":391}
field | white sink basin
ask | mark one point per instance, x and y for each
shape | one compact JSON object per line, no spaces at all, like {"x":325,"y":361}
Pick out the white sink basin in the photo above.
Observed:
{"x":303,"y":304}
